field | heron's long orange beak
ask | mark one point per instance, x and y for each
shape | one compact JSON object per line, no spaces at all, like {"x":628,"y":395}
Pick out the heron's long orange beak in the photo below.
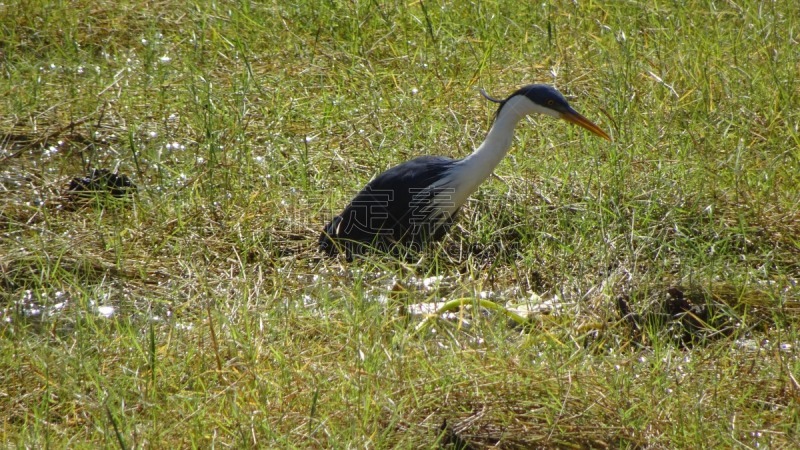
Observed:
{"x":574,"y":117}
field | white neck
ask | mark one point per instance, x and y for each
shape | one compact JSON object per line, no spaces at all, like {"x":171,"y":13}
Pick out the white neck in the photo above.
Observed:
{"x":477,"y":167}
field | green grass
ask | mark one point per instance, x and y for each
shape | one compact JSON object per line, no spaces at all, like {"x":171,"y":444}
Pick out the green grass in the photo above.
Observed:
{"x":245,"y":125}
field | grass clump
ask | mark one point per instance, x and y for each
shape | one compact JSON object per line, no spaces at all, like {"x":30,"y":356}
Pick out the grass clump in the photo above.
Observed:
{"x":195,"y":311}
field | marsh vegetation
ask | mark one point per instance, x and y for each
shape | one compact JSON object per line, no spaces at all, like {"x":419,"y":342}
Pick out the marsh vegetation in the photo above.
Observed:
{"x":657,"y":275}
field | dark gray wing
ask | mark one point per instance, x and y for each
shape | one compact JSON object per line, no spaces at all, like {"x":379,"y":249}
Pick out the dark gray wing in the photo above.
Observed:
{"x":394,"y":208}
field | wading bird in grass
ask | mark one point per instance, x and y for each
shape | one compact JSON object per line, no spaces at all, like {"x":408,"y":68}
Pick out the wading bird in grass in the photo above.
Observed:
{"x":415,"y":202}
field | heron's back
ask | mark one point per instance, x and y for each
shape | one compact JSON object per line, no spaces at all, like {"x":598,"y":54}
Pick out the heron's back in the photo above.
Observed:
{"x":404,"y":206}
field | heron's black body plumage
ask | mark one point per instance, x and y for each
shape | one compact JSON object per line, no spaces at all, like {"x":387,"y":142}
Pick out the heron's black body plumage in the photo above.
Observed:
{"x":394,"y":212}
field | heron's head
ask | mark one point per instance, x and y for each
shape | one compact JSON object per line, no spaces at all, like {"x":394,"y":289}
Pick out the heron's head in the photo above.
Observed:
{"x":543,"y":99}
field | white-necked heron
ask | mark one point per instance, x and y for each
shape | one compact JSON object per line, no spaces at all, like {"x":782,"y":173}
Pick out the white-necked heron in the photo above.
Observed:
{"x":415,"y":202}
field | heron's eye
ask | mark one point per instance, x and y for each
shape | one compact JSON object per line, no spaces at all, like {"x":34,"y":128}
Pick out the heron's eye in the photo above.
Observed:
{"x":551,"y":102}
